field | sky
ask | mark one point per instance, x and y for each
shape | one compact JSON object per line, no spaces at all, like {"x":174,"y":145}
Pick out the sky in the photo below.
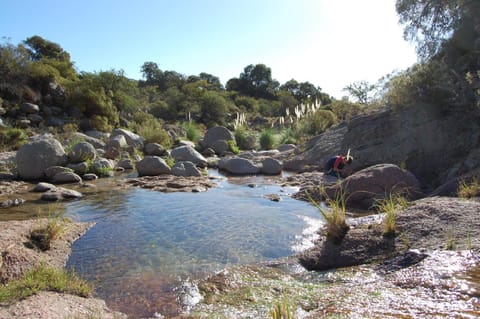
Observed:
{"x":329,"y":43}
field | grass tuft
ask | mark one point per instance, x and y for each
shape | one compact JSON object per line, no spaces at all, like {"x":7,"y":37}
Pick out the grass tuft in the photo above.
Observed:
{"x":389,"y":205}
{"x":469,"y":190}
{"x":334,"y":214}
{"x":282,"y":310}
{"x":44,"y":278}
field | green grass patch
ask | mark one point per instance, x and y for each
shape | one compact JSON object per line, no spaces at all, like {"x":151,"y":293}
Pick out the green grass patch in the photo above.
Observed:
{"x":44,"y":278}
{"x":469,"y":189}
{"x":390,"y":205}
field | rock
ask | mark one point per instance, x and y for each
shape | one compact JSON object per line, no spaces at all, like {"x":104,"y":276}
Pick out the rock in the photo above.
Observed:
{"x":54,"y":170}
{"x":79,"y":168}
{"x":217,"y":133}
{"x":66,"y":177}
{"x":29,"y":108}
{"x":97,"y":134}
{"x":287,"y":147}
{"x":220,"y":147}
{"x":184,"y":143}
{"x":131,"y":138}
{"x":96,"y":142}
{"x":61,"y":193}
{"x":43,"y":187}
{"x":35,"y":119}
{"x":185,"y":168}
{"x":12,"y":202}
{"x":82,"y":152}
{"x":54,"y":121}
{"x":101,"y":166}
{"x":188,"y":154}
{"x":152,"y":166}
{"x":33,"y":158}
{"x":154,"y":149}
{"x":271,"y":166}
{"x":208,"y":152}
{"x":90,"y":177}
{"x":115,"y":146}
{"x":126,"y":163}
{"x":363,"y":188}
{"x":238,"y":166}
{"x":426,"y":141}
{"x":23,"y":123}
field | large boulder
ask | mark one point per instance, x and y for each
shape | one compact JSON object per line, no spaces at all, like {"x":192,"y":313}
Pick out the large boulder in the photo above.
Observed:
{"x":217,"y":133}
{"x":96,"y":142}
{"x":152,"y":166}
{"x":82,"y":152}
{"x":365,"y":187}
{"x":185,"y":169}
{"x":115,"y":146}
{"x":133,"y":139}
{"x":29,"y":108}
{"x":189,"y":154}
{"x":154,"y":149}
{"x":271,"y":166}
{"x":33,"y":158}
{"x":238,"y":166}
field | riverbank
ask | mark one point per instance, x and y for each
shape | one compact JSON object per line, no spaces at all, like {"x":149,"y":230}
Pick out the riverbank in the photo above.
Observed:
{"x":18,"y":256}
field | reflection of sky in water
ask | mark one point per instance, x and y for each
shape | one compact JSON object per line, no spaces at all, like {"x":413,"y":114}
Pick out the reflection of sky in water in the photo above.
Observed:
{"x":184,"y":234}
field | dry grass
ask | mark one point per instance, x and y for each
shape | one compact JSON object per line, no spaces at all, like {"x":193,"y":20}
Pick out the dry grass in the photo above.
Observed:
{"x":469,"y":189}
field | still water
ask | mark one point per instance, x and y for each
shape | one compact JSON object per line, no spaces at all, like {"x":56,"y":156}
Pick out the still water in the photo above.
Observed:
{"x":146,"y":243}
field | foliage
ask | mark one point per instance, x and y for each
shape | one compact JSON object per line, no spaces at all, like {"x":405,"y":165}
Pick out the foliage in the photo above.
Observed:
{"x":334,"y":214}
{"x":267,"y":139}
{"x":43,"y":236}
{"x":232,"y":146}
{"x":389,"y":205}
{"x":282,"y":310}
{"x":44,"y":278}
{"x":362,"y":91}
{"x":469,"y":189}
{"x":40,"y":48}
{"x":153,"y":132}
{"x":193,"y":132}
{"x":12,"y":138}
{"x":255,"y":81}
{"x":241,"y":136}
{"x":344,"y":109}
{"x":214,"y":108}
{"x":319,"y":121}
{"x":430,"y":23}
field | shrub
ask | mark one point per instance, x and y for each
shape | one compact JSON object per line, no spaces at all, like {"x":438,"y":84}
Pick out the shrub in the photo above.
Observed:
{"x":12,"y":138}
{"x":193,"y":133}
{"x":153,"y":132}
{"x":241,"y":137}
{"x":267,"y":139}
{"x":232,"y":146}
{"x":389,"y":206}
{"x":42,"y":237}
{"x":319,"y":121}
{"x":468,"y":189}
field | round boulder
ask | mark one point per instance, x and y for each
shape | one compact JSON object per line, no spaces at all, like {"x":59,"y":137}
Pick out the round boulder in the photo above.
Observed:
{"x":152,"y":166}
{"x":189,"y":154}
{"x":33,"y":158}
{"x":217,"y":133}
{"x":271,"y":166}
{"x":238,"y":166}
{"x":185,"y":169}
{"x":82,"y":152}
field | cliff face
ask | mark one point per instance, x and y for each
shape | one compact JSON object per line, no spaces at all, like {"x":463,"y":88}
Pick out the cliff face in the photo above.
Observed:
{"x":426,"y":142}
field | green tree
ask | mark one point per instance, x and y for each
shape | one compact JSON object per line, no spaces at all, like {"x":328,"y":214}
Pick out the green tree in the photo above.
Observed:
{"x":430,"y":23}
{"x":40,"y":48}
{"x":256,"y":81}
{"x":362,"y":91}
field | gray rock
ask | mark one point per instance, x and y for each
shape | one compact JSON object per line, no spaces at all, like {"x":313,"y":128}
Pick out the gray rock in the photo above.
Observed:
{"x":220,"y":147}
{"x":29,"y":108}
{"x":217,"y":133}
{"x":152,"y":166}
{"x":61,"y":193}
{"x":79,"y":168}
{"x":43,"y":187}
{"x":271,"y":166}
{"x":115,"y":146}
{"x":132,"y":139}
{"x":126,"y":163}
{"x":11,"y":203}
{"x":24,"y":123}
{"x":82,"y":152}
{"x":66,"y":177}
{"x":90,"y":177}
{"x":35,"y":118}
{"x":51,"y":171}
{"x":35,"y":157}
{"x":97,"y":134}
{"x":238,"y":166}
{"x":185,"y":169}
{"x":189,"y":154}
{"x":97,"y":143}
{"x":154,"y":149}
{"x":54,"y":121}
{"x":102,"y":166}
{"x":287,"y":147}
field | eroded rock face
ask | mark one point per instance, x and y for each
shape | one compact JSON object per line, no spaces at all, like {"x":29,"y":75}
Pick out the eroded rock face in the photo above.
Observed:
{"x":33,"y":158}
{"x":428,"y":143}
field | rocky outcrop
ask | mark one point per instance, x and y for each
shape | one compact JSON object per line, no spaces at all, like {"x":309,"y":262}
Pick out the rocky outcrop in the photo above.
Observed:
{"x":33,"y":158}
{"x":428,"y":224}
{"x":132,"y":139}
{"x":422,"y":139}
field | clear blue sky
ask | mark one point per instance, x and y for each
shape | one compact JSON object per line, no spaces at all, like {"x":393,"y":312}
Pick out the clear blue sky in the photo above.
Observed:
{"x":330,"y":43}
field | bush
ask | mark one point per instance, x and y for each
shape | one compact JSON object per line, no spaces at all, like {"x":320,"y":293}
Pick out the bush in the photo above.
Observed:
{"x":12,"y":138}
{"x":193,"y":133}
{"x":267,"y":139}
{"x":319,"y":121}
{"x":152,"y":131}
{"x":241,"y":137}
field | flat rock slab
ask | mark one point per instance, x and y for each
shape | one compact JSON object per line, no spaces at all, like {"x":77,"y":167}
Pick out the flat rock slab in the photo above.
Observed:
{"x":170,"y":183}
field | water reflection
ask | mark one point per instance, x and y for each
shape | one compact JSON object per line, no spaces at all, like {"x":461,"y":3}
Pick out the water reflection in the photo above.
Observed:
{"x":142,"y":236}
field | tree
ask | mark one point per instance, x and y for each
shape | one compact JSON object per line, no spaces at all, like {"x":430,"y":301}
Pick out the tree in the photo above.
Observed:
{"x":361,"y":91}
{"x":430,"y":23}
{"x":152,"y":73}
{"x":255,"y":81}
{"x":40,"y":48}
